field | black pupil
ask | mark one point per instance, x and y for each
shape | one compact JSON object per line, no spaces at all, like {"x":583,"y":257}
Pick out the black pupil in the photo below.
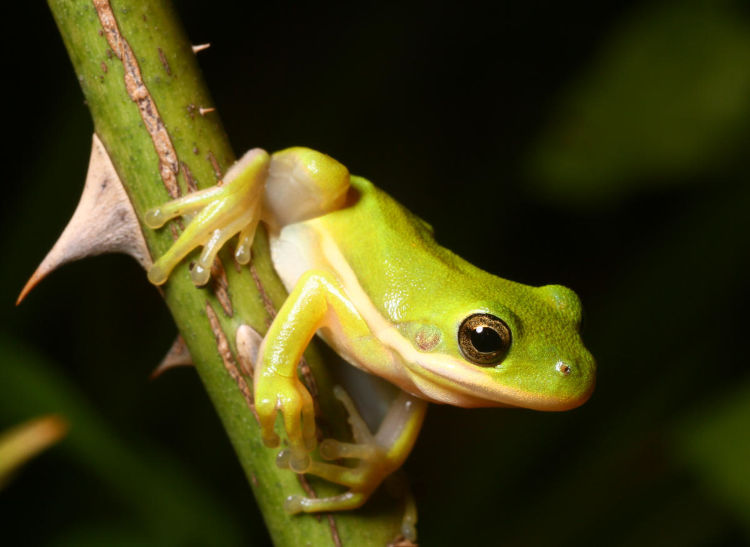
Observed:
{"x":486,"y":340}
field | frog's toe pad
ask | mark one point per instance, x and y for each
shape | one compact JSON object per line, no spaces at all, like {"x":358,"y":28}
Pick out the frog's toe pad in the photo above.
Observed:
{"x":329,"y":449}
{"x":200,"y":274}
{"x":294,"y":504}
{"x":296,"y":461}
{"x":155,"y":218}
{"x":271,"y":441}
{"x":157,"y":274}
{"x":242,"y":253}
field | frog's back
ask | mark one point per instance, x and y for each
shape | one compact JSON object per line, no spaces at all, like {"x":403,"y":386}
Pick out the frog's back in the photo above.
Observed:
{"x":394,"y":255}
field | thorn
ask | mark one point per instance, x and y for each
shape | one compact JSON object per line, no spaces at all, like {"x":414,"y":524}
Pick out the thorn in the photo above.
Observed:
{"x":248,"y":342}
{"x":200,"y":47}
{"x":103,"y":222}
{"x":203,"y":111}
{"x":177,"y":356}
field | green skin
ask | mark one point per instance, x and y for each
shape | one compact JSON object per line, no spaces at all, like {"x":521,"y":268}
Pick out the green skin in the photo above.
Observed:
{"x":368,"y":276}
{"x":417,"y":284}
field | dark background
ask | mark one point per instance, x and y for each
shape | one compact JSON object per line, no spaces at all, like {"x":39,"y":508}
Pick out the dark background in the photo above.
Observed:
{"x":603,"y":146}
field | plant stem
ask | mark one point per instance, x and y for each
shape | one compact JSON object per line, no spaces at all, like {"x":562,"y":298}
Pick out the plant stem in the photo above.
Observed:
{"x":145,"y":93}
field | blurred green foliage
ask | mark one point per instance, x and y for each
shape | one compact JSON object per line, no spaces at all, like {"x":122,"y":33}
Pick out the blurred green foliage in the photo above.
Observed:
{"x":664,"y":99}
{"x":153,"y":488}
{"x":604,"y":147}
{"x":723,"y":473}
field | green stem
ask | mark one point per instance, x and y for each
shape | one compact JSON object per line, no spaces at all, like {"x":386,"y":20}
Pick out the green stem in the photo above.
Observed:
{"x":142,"y":85}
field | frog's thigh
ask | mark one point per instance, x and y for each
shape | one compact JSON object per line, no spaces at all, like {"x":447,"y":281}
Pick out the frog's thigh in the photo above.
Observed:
{"x":302,"y":184}
{"x":317,"y":301}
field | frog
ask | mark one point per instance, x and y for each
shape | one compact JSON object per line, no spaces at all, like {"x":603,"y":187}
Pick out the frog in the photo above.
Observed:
{"x":368,"y":276}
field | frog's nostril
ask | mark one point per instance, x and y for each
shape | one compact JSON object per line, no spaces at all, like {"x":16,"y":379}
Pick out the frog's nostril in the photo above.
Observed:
{"x":563,"y":368}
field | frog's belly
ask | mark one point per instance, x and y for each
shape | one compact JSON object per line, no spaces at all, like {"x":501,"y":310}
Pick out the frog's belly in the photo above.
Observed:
{"x":294,"y":251}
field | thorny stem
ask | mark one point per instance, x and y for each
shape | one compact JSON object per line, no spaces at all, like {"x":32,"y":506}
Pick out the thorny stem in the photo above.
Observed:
{"x":156,"y":119}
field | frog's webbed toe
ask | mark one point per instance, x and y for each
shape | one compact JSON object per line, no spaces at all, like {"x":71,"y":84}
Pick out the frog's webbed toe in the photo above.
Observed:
{"x":220,"y":212}
{"x":190,"y":203}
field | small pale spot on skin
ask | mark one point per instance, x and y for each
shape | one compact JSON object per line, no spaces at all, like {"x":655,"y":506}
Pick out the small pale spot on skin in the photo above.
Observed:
{"x":427,"y":338}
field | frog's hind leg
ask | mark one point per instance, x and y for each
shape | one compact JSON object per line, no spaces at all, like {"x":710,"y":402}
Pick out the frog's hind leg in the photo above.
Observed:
{"x":379,"y":456}
{"x":304,"y":183}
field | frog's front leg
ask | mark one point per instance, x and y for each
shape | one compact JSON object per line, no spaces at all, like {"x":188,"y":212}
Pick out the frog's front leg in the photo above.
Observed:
{"x":222,"y":211}
{"x":316,"y":302}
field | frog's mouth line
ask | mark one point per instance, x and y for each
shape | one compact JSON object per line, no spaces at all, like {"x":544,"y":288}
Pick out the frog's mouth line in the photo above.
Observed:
{"x":449,"y":380}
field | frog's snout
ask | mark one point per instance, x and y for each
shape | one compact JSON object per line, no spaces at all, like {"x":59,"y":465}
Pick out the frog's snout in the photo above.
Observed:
{"x":576,"y":379}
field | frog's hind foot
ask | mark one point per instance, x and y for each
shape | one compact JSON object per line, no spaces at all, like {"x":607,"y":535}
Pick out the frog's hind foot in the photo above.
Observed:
{"x":378,"y":456}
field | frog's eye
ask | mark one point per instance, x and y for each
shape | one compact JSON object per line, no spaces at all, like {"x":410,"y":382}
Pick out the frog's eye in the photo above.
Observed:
{"x":484,"y":339}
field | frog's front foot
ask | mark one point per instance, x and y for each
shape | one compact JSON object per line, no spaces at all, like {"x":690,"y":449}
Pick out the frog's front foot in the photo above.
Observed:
{"x":378,"y":456}
{"x":223,"y":210}
{"x":289,"y":397}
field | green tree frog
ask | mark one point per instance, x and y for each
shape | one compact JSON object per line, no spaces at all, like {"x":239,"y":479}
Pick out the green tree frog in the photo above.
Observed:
{"x":368,"y":277}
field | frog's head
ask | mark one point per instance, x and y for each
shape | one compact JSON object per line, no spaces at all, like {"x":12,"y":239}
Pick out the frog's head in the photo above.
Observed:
{"x":521,"y":350}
